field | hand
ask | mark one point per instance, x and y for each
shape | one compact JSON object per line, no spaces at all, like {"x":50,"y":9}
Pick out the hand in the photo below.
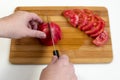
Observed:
{"x":21,"y":24}
{"x":59,"y":69}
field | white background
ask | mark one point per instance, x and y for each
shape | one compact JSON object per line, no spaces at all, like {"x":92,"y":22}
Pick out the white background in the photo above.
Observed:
{"x":84,"y":71}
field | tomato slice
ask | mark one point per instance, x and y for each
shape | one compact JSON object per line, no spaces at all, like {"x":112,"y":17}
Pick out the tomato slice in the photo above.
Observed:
{"x":82,"y":18}
{"x":73,"y":20}
{"x":101,"y":39}
{"x":100,"y":31}
{"x":72,"y":17}
{"x":77,"y":11}
{"x":69,"y":13}
{"x":96,"y":26}
{"x":87,"y":11}
{"x":90,"y":19}
{"x":96,"y":34}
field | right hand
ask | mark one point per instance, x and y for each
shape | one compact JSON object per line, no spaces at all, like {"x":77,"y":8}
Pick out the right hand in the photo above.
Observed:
{"x":59,"y":69}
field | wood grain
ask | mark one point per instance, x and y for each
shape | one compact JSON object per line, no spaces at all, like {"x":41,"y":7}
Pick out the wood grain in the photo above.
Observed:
{"x":77,"y":45}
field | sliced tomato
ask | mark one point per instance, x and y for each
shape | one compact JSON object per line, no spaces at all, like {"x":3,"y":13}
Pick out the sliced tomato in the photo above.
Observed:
{"x":87,"y":11}
{"x":69,"y":13}
{"x":77,"y":11}
{"x":96,"y":34}
{"x":73,"y":20}
{"x":96,"y":26}
{"x":90,"y":19}
{"x":88,"y":22}
{"x":100,"y":31}
{"x":72,"y":17}
{"x":101,"y":39}
{"x":94,"y":29}
{"x":82,"y":18}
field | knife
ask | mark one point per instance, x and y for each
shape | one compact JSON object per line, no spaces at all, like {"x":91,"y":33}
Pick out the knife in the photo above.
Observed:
{"x":55,"y":52}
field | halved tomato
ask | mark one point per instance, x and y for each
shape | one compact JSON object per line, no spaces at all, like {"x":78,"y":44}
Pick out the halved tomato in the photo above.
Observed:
{"x":101,"y":39}
{"x":56,"y":31}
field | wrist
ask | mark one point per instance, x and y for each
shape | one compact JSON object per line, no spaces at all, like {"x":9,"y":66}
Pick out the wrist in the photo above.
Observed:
{"x":2,"y":27}
{"x":1,"y":24}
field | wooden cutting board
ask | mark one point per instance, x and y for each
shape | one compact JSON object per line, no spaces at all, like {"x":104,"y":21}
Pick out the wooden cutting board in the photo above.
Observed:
{"x":75,"y":43}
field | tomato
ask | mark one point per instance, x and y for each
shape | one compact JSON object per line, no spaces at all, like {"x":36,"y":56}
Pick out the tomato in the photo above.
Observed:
{"x":96,"y":26}
{"x":94,"y":29}
{"x":90,"y":19}
{"x":90,"y":23}
{"x":87,"y":11}
{"x":100,"y":30}
{"x":74,"y":21}
{"x":72,"y":17}
{"x":69,"y":13}
{"x":82,"y":18}
{"x":77,"y":11}
{"x":101,"y":39}
{"x":56,"y":31}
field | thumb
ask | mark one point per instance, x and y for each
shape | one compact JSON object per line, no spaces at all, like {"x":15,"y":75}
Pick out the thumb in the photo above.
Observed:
{"x":63,"y":60}
{"x":54,"y":59}
{"x":37,"y":34}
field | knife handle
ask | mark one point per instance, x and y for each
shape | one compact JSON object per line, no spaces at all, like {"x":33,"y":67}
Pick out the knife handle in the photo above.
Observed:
{"x":56,"y":53}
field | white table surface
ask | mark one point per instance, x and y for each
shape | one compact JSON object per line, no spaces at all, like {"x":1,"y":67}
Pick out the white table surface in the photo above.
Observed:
{"x":84,"y":71}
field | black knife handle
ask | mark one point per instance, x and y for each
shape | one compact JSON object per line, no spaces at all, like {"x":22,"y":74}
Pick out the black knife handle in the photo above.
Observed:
{"x":56,"y":53}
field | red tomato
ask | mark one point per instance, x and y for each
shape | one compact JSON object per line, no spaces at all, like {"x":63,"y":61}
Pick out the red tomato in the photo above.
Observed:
{"x":100,"y":30}
{"x":69,"y":13}
{"x":55,"y":30}
{"x":88,"y":22}
{"x":74,"y":21}
{"x":77,"y":11}
{"x":90,"y":19}
{"x":96,"y":26}
{"x":82,"y":18}
{"x":94,"y":29}
{"x":71,"y":17}
{"x":101,"y":39}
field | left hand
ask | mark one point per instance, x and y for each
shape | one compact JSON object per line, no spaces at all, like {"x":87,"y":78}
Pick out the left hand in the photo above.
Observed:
{"x":21,"y":24}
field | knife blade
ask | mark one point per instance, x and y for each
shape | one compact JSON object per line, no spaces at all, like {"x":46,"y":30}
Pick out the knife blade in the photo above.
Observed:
{"x":55,"y":52}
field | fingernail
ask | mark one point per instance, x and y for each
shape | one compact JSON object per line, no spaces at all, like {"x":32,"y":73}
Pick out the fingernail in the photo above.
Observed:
{"x":43,"y":35}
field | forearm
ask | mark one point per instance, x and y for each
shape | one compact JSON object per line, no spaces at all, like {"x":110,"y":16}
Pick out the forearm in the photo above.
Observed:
{"x":3,"y":26}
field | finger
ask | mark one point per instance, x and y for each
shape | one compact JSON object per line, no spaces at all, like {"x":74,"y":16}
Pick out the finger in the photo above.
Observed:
{"x":54,"y":59}
{"x":34,"y":16}
{"x":74,"y":77}
{"x":34,"y":24}
{"x":72,"y":68}
{"x":37,"y":34}
{"x":63,"y":60}
{"x":29,"y":26}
